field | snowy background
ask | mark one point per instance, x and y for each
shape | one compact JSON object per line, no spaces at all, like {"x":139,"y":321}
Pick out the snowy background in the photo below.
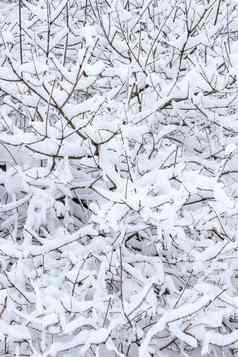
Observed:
{"x":118,"y":178}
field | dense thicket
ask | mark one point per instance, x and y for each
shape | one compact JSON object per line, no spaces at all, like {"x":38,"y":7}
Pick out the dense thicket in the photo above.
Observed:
{"x":118,"y":180}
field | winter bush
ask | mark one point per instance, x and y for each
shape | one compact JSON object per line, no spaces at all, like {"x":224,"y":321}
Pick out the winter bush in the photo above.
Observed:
{"x":118,"y":180}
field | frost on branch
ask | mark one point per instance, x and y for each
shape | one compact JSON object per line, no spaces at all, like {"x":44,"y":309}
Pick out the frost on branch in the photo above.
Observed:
{"x":118,"y":178}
